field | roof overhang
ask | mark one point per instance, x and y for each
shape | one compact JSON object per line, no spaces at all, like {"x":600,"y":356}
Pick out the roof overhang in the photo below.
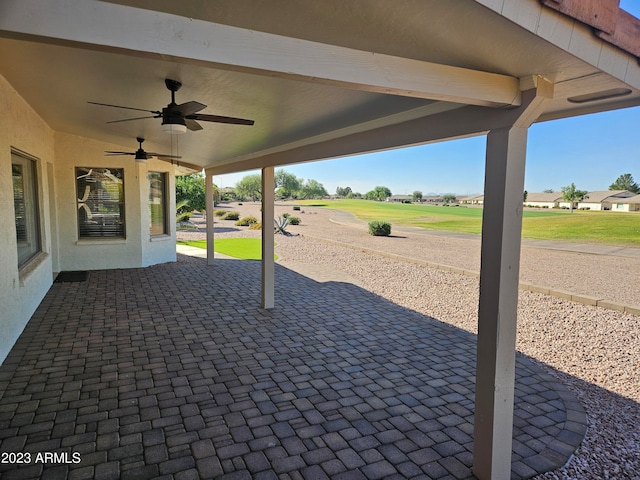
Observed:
{"x":321,"y":80}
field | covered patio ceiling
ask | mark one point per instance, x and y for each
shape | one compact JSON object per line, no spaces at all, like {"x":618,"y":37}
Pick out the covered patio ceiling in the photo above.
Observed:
{"x":320,"y":79}
{"x":330,"y":79}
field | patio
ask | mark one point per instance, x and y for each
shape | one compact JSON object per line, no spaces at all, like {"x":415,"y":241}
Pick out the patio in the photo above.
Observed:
{"x":172,"y":371}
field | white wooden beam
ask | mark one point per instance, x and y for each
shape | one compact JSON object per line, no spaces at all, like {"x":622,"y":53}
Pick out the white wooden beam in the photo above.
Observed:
{"x":268,"y":264}
{"x":499,"y":275}
{"x":209,"y":213}
{"x":135,"y":31}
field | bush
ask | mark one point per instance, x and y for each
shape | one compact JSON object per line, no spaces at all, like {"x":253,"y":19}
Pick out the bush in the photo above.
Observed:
{"x":296,"y":208}
{"x":293,"y":220}
{"x":285,"y":215}
{"x":247,"y":221}
{"x":231,"y":216}
{"x":256,"y":226}
{"x":219,"y":213}
{"x":379,"y":228}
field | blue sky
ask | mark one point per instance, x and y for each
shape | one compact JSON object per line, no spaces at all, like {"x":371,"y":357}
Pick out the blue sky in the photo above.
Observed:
{"x":590,"y":151}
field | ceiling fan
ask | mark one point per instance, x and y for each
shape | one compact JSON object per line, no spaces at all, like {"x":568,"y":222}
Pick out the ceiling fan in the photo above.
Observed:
{"x":178,"y":118}
{"x":141,"y":155}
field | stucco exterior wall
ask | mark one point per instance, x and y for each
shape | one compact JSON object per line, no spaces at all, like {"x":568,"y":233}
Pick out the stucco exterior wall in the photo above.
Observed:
{"x":98,"y":254}
{"x":540,"y":204}
{"x":21,"y":291}
{"x":138,"y":249}
{"x":57,"y":155}
{"x":594,"y":206}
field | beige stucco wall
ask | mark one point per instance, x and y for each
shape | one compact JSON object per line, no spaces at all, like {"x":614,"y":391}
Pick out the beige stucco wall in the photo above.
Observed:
{"x":21,"y":292}
{"x":57,"y":154}
{"x":138,"y":249}
{"x":540,"y":204}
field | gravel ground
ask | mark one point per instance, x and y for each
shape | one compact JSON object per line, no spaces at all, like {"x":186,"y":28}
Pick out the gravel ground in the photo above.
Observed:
{"x":594,"y":351}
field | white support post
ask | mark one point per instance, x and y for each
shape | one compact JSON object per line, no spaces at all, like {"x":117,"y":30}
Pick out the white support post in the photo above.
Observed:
{"x":209,"y":213}
{"x":268,"y":264}
{"x":499,"y":272}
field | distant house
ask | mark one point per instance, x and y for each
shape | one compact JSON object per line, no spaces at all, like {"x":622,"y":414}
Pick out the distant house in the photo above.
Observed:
{"x":432,"y":199}
{"x":628,"y":204}
{"x":604,"y":199}
{"x":400,"y":198}
{"x":544,"y":200}
{"x":472,"y":200}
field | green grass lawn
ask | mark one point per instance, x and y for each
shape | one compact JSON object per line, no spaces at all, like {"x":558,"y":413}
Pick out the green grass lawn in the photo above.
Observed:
{"x":243,"y":248}
{"x":613,"y":228}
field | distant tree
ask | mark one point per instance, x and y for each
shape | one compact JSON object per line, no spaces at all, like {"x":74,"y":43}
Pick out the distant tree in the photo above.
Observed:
{"x":312,"y":189}
{"x":625,"y":182}
{"x":526,"y":194}
{"x":286,"y":183}
{"x":417,"y":196}
{"x":343,"y":192}
{"x":249,"y":186}
{"x":449,"y":198}
{"x":379,"y":193}
{"x":571,"y":194}
{"x":548,"y":190}
{"x":190,"y":189}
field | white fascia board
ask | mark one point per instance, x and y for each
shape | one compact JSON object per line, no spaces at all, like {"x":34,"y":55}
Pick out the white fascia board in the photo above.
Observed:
{"x":100,"y":25}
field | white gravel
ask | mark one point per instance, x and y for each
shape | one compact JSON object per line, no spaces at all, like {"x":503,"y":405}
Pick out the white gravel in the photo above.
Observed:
{"x":594,"y":351}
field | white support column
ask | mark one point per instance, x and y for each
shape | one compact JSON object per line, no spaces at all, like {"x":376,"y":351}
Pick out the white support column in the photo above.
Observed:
{"x":500,"y":263}
{"x":209,"y":213}
{"x":268,"y":264}
{"x":499,"y":272}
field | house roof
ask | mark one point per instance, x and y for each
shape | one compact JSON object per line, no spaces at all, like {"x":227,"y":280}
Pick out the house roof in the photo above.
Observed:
{"x":544,"y":197}
{"x":320,"y":79}
{"x":604,"y":195}
{"x":634,"y":199}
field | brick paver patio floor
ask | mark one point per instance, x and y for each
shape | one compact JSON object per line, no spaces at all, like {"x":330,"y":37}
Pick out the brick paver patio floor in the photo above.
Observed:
{"x":173,"y":371}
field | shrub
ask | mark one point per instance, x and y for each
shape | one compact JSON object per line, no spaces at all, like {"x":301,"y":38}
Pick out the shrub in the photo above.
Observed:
{"x":296,"y":208}
{"x":231,"y":216}
{"x":285,"y":215}
{"x":379,"y":228}
{"x":256,"y":226}
{"x":293,"y":220}
{"x":247,"y":221}
{"x":219,"y":213}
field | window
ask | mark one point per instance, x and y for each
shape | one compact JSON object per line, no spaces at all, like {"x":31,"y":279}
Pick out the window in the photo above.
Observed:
{"x":100,"y":199}
{"x":158,"y":203}
{"x":25,"y":204}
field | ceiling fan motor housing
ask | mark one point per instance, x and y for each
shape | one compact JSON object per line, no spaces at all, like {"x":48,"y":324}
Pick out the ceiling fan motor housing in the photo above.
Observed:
{"x":172,"y":117}
{"x":141,"y":155}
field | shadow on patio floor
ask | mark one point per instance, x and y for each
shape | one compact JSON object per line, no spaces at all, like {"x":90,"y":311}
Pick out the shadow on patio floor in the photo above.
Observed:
{"x":173,"y":372}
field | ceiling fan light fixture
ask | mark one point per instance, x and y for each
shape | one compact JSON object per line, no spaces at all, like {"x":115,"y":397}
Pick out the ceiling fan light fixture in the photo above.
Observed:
{"x":174,"y":128}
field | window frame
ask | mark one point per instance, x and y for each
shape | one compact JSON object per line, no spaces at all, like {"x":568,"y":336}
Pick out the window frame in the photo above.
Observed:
{"x":31,"y":207}
{"x":99,"y":232}
{"x":164,"y":197}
